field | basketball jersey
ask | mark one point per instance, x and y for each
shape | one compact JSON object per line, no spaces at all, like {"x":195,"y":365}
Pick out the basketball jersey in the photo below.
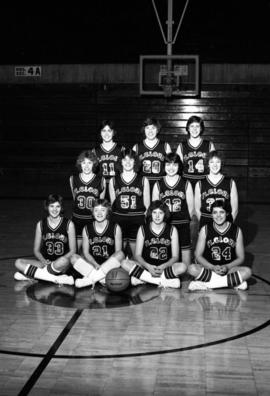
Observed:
{"x":85,"y":193}
{"x":128,"y":196}
{"x":210,"y":192}
{"x":101,"y":245}
{"x":220,"y":247}
{"x":175,"y":199}
{"x":157,"y":248}
{"x":195,"y":159}
{"x":108,"y":159}
{"x":55,"y":242}
{"x":152,"y":159}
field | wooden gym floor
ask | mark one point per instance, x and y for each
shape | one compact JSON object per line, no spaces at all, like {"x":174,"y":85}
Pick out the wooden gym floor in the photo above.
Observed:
{"x":148,"y":341}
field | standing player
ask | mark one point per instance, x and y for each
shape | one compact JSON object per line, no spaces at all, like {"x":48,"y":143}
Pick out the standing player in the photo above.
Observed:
{"x":102,"y":246}
{"x":219,"y":254}
{"x":177,"y":194}
{"x":54,"y":244}
{"x":157,"y":251}
{"x":108,"y":152}
{"x":130,"y":197}
{"x":152,"y":151}
{"x":194,"y":150}
{"x":215,"y":186}
{"x":86,"y":187}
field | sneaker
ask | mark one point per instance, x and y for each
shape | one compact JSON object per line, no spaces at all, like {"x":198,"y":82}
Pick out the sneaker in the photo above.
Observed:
{"x":135,"y":281}
{"x":64,"y":280}
{"x":242,"y":286}
{"x":197,"y":285}
{"x":20,"y":277}
{"x":83,"y":282}
{"x":174,"y":282}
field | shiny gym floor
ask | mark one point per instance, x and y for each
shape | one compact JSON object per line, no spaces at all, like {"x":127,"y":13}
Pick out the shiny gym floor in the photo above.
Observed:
{"x":146,"y":341}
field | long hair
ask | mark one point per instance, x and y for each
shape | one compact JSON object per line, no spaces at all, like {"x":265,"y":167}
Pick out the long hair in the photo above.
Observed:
{"x":88,"y":154}
{"x":195,"y":119}
{"x":158,"y":204}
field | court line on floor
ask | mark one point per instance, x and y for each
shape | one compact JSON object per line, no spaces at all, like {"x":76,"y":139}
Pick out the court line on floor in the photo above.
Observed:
{"x":50,"y":355}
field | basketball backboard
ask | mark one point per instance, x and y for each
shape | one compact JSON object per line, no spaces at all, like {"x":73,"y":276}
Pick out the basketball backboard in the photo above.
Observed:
{"x":169,"y":75}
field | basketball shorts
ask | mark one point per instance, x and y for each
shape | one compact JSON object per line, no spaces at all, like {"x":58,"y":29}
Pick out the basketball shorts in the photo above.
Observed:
{"x":129,"y":225}
{"x":79,"y":225}
{"x":184,"y":235}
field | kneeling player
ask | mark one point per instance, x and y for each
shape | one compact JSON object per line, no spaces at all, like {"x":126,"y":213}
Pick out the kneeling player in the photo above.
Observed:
{"x":101,"y":244}
{"x":157,"y":250}
{"x":54,"y":244}
{"x":219,"y":254}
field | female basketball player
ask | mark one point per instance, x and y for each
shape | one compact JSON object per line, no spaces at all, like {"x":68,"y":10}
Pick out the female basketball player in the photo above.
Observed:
{"x":177,"y":194}
{"x":152,"y":151}
{"x":86,"y":187}
{"x":215,"y":186}
{"x":130,"y":197}
{"x":219,"y":254}
{"x":102,"y":246}
{"x":194,"y":150}
{"x":54,"y":244}
{"x":157,"y":250}
{"x":108,"y":152}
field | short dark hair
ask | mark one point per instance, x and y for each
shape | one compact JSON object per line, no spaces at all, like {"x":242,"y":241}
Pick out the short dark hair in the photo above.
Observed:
{"x":108,"y":123}
{"x":151,"y":121}
{"x":158,"y":204}
{"x":89,"y":154}
{"x":174,"y":158}
{"x":195,"y":119}
{"x":220,"y":203}
{"x":128,"y":152}
{"x":51,"y":199}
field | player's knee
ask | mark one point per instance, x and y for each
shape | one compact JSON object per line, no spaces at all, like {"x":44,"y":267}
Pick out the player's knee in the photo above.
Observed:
{"x":74,"y":258}
{"x":246,"y":273}
{"x":119,"y":255}
{"x":61,"y":263}
{"x":126,"y":264}
{"x":19,"y":264}
{"x":179,"y":268}
{"x":193,"y":269}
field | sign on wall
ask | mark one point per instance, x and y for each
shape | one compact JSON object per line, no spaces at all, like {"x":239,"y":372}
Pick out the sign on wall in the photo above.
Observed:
{"x":27,"y":71}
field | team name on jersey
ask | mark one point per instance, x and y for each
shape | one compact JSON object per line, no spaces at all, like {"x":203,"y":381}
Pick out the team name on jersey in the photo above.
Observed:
{"x":157,"y":241}
{"x":108,"y":157}
{"x":193,"y":154}
{"x":215,"y":191}
{"x":86,"y":189}
{"x":57,"y":236}
{"x":221,"y":239}
{"x":134,"y":190}
{"x":172,"y":193}
{"x":104,"y":239}
{"x":153,"y":154}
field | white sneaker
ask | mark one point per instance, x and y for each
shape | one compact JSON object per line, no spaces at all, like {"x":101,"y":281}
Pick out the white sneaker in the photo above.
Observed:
{"x":197,"y":285}
{"x":174,"y":282}
{"x":242,"y":286}
{"x":135,"y":281}
{"x":64,"y":280}
{"x":20,"y":277}
{"x":83,"y":282}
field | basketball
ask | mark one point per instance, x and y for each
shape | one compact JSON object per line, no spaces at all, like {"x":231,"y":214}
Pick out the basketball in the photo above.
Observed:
{"x":117,"y":280}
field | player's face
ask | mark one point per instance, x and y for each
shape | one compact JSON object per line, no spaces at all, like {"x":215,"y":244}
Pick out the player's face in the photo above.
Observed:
{"x":194,"y":129}
{"x":158,"y":216}
{"x":215,"y":165}
{"x":128,"y":163}
{"x":54,"y":209}
{"x":219,"y":216}
{"x":87,"y":166}
{"x":100,"y":213}
{"x":107,"y":134}
{"x":171,"y":168}
{"x":151,"y":132}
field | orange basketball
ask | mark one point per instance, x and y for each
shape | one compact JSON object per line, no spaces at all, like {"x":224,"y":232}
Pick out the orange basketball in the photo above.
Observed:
{"x":117,"y":280}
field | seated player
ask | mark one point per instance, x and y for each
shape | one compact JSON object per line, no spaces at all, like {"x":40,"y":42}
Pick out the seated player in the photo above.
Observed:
{"x":101,"y":244}
{"x":219,"y":254}
{"x":55,"y":243}
{"x":157,"y":250}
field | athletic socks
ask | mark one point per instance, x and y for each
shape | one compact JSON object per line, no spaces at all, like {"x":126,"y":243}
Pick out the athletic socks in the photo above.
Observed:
{"x":83,"y":267}
{"x":167,"y":279}
{"x":215,"y":281}
{"x":49,"y":274}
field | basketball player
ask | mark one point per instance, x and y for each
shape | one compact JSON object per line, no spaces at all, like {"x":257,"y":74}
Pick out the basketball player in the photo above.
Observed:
{"x":102,"y":246}
{"x":152,"y":151}
{"x":130,"y":197}
{"x":86,"y":187}
{"x":108,"y":152}
{"x":157,"y":251}
{"x":219,"y":254}
{"x":54,"y":244}
{"x":215,"y":186}
{"x":177,"y":194}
